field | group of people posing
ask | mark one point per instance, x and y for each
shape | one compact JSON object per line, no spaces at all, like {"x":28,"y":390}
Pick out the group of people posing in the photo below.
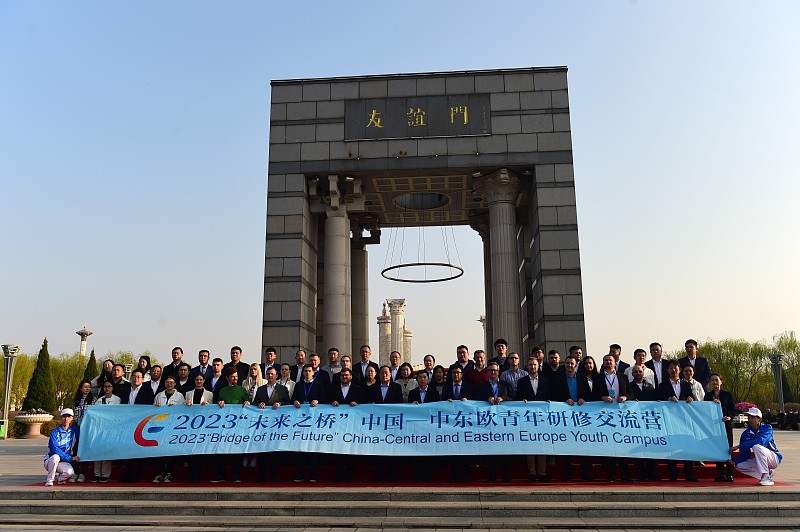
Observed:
{"x":576,"y":379}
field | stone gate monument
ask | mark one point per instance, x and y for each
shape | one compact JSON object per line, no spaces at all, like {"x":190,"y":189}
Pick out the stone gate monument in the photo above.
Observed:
{"x":349,"y":156}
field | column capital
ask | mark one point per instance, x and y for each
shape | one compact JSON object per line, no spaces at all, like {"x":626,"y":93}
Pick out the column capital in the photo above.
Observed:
{"x":480,"y":223}
{"x":499,"y":187}
{"x":396,"y":306}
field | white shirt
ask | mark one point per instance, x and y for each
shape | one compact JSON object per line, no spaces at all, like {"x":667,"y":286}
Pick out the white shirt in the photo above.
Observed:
{"x":133,"y":394}
{"x":612,"y":383}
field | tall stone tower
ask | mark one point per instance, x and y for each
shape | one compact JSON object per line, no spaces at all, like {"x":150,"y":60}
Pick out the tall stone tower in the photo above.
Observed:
{"x":393,"y":333}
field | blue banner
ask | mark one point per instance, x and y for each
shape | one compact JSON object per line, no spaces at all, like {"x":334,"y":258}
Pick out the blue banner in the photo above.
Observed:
{"x":666,"y":430}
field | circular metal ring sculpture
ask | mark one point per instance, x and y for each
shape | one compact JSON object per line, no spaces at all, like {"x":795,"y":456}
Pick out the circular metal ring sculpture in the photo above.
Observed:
{"x":422,"y":264}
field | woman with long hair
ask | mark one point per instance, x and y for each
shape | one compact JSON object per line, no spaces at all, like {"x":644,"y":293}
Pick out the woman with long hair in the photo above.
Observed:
{"x":589,"y":370}
{"x":439,"y":379}
{"x":253,"y":381}
{"x":144,"y":365}
{"x":404,"y":379}
{"x":105,"y":375}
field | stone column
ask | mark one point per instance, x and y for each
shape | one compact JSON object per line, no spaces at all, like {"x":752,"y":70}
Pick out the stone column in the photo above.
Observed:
{"x":384,"y":334}
{"x":500,"y":190}
{"x":337,"y":274}
{"x":481,"y":225}
{"x":396,"y":309}
{"x":406,"y":352}
{"x":360,"y":295}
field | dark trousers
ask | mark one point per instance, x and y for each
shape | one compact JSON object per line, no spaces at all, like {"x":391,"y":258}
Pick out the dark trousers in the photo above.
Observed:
{"x":672,"y":466}
{"x":612,"y":464}
{"x":585,"y":462}
{"x":236,"y":465}
{"x":307,"y":459}
{"x":492,"y":461}
{"x":270,"y":460}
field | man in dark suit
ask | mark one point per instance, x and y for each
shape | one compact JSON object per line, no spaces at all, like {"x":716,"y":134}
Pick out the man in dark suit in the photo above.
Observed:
{"x":702,"y":369}
{"x":394,"y":364}
{"x":553,"y":365}
{"x":501,"y":350}
{"x":572,"y":388}
{"x":534,"y":388}
{"x":386,"y":391}
{"x":171,"y":370}
{"x":297,"y":368}
{"x":270,"y":355}
{"x":242,"y":368}
{"x":121,"y":384}
{"x":429,"y":362}
{"x":203,"y":366}
{"x":612,"y":387}
{"x":462,"y":361}
{"x":495,"y":391}
{"x":217,"y":381}
{"x":360,"y":369}
{"x":455,"y":389}
{"x":345,"y":392}
{"x":183,"y":383}
{"x":423,"y":393}
{"x":657,"y":364}
{"x":137,"y":392}
{"x":156,"y":383}
{"x":641,"y":390}
{"x":616,"y":350}
{"x":271,"y":394}
{"x":676,"y":390}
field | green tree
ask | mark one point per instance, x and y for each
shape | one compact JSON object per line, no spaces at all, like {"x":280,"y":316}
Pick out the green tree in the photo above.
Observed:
{"x":40,"y":388}
{"x":67,"y":373}
{"x":743,"y":366}
{"x":91,"y":368}
{"x":787,"y":344}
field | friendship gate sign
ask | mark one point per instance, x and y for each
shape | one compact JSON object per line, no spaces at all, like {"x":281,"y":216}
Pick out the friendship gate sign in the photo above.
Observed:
{"x":665,"y":430}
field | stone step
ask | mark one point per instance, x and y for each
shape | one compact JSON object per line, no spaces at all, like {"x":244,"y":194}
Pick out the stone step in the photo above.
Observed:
{"x":726,"y":495}
{"x":339,"y":523}
{"x":367,"y":510}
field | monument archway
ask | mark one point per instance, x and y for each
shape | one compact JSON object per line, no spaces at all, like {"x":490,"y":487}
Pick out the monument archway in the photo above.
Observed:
{"x":350,"y":156}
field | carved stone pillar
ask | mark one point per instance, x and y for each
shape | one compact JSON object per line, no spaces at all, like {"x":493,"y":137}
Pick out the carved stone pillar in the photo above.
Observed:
{"x":384,"y":333}
{"x":360,"y":295}
{"x":337,"y":272}
{"x":396,"y":310}
{"x":500,"y":190}
{"x":481,"y":225}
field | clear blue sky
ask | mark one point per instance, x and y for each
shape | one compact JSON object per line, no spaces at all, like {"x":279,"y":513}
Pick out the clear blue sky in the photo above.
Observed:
{"x":134,"y":145}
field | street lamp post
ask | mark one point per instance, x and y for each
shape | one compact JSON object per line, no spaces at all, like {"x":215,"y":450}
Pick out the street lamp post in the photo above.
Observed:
{"x":9,"y":360}
{"x":777,"y":370}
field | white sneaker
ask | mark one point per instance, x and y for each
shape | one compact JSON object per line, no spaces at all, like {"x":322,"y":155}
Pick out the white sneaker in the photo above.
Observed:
{"x":766,"y":481}
{"x":73,"y":478}
{"x":81,"y":478}
{"x":48,"y":484}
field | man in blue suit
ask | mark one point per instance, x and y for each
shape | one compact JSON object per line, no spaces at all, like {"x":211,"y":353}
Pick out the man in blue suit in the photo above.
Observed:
{"x":702,"y":369}
{"x":203,"y":366}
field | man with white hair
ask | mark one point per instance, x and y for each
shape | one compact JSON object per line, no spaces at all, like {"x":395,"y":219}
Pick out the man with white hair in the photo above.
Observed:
{"x":758,"y":454}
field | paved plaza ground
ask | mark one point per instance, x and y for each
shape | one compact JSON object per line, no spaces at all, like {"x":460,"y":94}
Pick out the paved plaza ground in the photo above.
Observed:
{"x":21,"y":470}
